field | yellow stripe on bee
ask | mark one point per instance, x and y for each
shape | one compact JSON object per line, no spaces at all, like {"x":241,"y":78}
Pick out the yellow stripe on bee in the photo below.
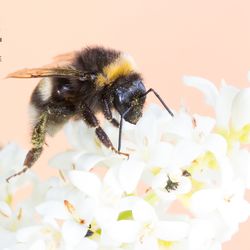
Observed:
{"x":122,"y":66}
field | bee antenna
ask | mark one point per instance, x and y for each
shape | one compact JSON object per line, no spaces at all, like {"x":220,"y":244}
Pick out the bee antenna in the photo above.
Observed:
{"x":160,"y":99}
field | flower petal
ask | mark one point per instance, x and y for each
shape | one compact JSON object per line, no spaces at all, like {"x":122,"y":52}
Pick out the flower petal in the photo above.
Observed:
{"x":143,"y":212}
{"x":87,"y":244}
{"x":129,"y":175}
{"x":147,"y":243}
{"x":224,"y":104}
{"x":205,"y":201}
{"x":54,"y":209}
{"x":87,"y":161}
{"x":106,"y":215}
{"x":124,"y":231}
{"x":73,"y":232}
{"x":172,"y":230}
{"x":5,"y":210}
{"x":87,"y":182}
{"x":240,"y":109}
{"x":26,"y":233}
{"x":184,"y":153}
{"x":63,"y":160}
{"x":205,"y":86}
{"x":216,"y":144}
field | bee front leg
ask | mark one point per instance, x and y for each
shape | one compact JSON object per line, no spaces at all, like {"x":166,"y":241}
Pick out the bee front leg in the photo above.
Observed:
{"x":107,"y":112}
{"x":37,"y":140}
{"x":90,"y":118}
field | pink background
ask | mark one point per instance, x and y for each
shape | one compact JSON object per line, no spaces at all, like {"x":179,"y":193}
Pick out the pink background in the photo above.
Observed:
{"x":167,"y":38}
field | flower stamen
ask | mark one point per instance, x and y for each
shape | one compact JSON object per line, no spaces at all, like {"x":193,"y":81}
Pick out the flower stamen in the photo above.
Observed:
{"x":73,"y":212}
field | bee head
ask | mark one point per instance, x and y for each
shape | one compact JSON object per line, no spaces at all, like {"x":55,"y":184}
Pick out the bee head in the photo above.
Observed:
{"x":129,"y":99}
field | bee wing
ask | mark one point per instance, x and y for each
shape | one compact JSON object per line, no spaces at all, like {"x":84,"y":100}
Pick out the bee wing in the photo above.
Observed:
{"x":62,"y":59}
{"x":50,"y":72}
{"x":66,"y":57}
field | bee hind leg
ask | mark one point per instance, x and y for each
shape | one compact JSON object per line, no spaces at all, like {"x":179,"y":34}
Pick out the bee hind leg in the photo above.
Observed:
{"x":37,"y":140}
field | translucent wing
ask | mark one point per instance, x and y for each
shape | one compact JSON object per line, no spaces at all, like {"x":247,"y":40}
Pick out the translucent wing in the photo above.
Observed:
{"x":50,"y":72}
{"x":62,"y":59}
{"x":60,"y":67}
{"x":66,"y":57}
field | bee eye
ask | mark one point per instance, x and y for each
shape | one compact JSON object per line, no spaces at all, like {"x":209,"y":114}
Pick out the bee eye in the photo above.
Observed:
{"x":121,"y":100}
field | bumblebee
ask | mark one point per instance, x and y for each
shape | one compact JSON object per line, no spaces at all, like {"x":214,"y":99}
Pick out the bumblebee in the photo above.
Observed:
{"x":93,"y":80}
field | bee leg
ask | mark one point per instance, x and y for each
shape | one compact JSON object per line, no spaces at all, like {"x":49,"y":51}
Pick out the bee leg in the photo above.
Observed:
{"x":90,"y":118}
{"x":120,"y":134}
{"x":37,"y":140}
{"x":160,"y":99}
{"x":120,"y":128}
{"x":103,"y":137}
{"x":108,"y":114}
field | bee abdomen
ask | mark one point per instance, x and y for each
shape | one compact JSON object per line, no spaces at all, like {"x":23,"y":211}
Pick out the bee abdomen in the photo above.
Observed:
{"x":45,"y":89}
{"x":40,"y":96}
{"x":45,"y":99}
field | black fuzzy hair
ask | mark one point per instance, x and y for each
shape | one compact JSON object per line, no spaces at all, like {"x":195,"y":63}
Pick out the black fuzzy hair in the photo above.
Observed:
{"x":94,"y":59}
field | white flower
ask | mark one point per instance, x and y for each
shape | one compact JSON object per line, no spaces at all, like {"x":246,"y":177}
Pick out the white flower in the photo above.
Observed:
{"x":228,"y":200}
{"x":11,"y":161}
{"x":240,"y":160}
{"x":206,"y":234}
{"x":220,"y":101}
{"x":48,"y":235}
{"x":104,"y":196}
{"x":101,"y":200}
{"x":168,"y":185}
{"x":146,"y":229}
{"x":231,"y":107}
{"x":240,"y":107}
{"x":86,"y":152}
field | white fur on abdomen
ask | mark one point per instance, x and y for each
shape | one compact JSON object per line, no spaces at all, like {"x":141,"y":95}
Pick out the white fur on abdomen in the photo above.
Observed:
{"x":45,"y":88}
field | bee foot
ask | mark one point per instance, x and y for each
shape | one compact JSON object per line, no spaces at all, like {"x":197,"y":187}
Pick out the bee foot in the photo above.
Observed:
{"x":25,"y":168}
{"x":120,"y":153}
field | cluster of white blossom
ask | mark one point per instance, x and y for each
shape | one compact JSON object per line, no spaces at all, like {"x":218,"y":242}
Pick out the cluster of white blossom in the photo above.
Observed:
{"x":101,"y":200}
